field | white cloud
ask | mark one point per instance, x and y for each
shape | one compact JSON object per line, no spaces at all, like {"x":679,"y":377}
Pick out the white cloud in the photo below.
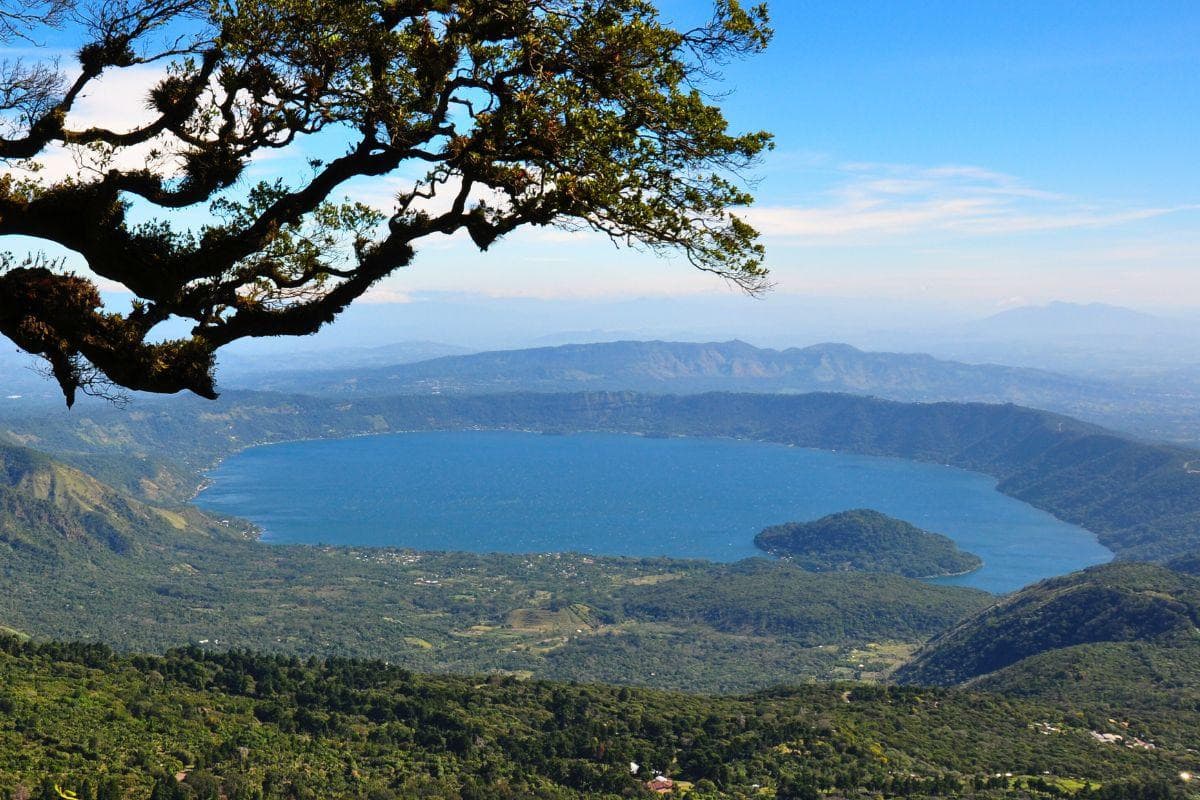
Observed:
{"x":118,"y":99}
{"x":881,"y":202}
{"x":384,"y":294}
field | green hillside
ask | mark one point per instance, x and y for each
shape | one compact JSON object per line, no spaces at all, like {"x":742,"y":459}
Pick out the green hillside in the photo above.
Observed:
{"x":48,"y":508}
{"x":1152,"y":681}
{"x":1121,"y":603}
{"x":867,"y":541}
{"x":192,"y":725}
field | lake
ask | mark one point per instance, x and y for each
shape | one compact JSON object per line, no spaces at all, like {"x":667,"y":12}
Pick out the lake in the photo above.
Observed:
{"x":612,"y":494}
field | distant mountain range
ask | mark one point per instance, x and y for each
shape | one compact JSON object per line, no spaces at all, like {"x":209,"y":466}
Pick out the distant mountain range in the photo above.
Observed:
{"x":684,"y":367}
{"x":1094,"y":339}
{"x":1070,"y":319}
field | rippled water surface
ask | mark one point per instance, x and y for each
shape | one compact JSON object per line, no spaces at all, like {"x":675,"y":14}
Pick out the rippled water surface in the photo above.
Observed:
{"x":621,"y":495}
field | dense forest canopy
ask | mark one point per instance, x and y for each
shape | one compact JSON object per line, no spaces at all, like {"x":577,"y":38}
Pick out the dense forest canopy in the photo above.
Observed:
{"x":867,"y":540}
{"x":585,"y":114}
{"x":190,"y":726}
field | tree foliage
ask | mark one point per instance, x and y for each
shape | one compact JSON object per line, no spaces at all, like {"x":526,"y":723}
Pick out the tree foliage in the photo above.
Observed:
{"x":246,"y":726}
{"x":584,"y":114}
{"x":869,"y":541}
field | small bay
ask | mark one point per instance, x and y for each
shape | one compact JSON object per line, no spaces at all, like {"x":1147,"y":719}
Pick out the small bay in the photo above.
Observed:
{"x":611,"y":494}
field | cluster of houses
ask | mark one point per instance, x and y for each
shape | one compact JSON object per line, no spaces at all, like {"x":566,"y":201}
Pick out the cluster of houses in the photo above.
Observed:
{"x":1116,"y":738}
{"x":1132,"y":742}
{"x":660,"y":784}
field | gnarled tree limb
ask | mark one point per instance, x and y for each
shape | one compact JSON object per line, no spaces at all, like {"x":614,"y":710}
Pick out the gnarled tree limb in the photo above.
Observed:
{"x":579,"y":113}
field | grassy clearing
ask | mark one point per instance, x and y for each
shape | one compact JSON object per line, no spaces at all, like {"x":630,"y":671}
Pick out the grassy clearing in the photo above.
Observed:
{"x":574,"y":618}
{"x":417,"y":641}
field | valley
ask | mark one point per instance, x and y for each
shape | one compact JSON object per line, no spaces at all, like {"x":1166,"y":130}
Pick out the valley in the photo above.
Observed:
{"x":102,"y":544}
{"x":599,"y":400}
{"x":569,"y":616}
{"x":159,"y":574}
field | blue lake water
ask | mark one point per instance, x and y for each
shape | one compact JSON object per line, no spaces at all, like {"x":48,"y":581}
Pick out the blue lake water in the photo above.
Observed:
{"x":610,"y":494}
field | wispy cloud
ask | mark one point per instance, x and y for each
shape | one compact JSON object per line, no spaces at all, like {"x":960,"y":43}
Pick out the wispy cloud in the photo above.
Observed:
{"x":384,"y":294}
{"x":877,"y":202}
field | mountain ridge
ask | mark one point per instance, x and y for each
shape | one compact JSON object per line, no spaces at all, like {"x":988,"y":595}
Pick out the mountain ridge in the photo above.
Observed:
{"x":693,"y":367}
{"x":45,"y":503}
{"x":650,"y":359}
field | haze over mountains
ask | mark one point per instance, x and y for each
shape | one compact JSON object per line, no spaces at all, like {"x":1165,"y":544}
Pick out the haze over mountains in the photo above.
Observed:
{"x":1066,"y":337}
{"x":684,"y":367}
{"x":1093,"y":339}
{"x":1118,"y":367}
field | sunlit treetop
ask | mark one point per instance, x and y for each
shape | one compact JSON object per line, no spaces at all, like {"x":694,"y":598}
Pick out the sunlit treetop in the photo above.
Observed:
{"x":581,"y":114}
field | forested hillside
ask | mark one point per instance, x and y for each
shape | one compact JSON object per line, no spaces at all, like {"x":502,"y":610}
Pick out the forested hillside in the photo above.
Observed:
{"x":1117,"y":638}
{"x":868,"y":541}
{"x":246,"y":727}
{"x":47,"y":507}
{"x":1154,"y":679}
{"x":1115,"y":603}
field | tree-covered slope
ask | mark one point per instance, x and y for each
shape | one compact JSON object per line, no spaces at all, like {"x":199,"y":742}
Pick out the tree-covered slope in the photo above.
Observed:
{"x":868,"y":541}
{"x":47,"y":507}
{"x":1111,"y":603}
{"x":1155,"y":684}
{"x":1155,"y":679}
{"x":194,"y":726}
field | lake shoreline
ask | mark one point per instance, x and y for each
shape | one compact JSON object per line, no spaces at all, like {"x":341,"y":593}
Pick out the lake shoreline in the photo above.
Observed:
{"x":891,"y":465}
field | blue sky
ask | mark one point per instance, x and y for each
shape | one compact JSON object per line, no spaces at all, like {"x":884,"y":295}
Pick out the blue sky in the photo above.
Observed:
{"x":972,"y":154}
{"x":1091,"y":97}
{"x":981,"y":153}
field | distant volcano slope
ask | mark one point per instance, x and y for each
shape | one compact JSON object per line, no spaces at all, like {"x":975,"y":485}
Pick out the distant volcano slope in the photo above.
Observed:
{"x":736,"y":366}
